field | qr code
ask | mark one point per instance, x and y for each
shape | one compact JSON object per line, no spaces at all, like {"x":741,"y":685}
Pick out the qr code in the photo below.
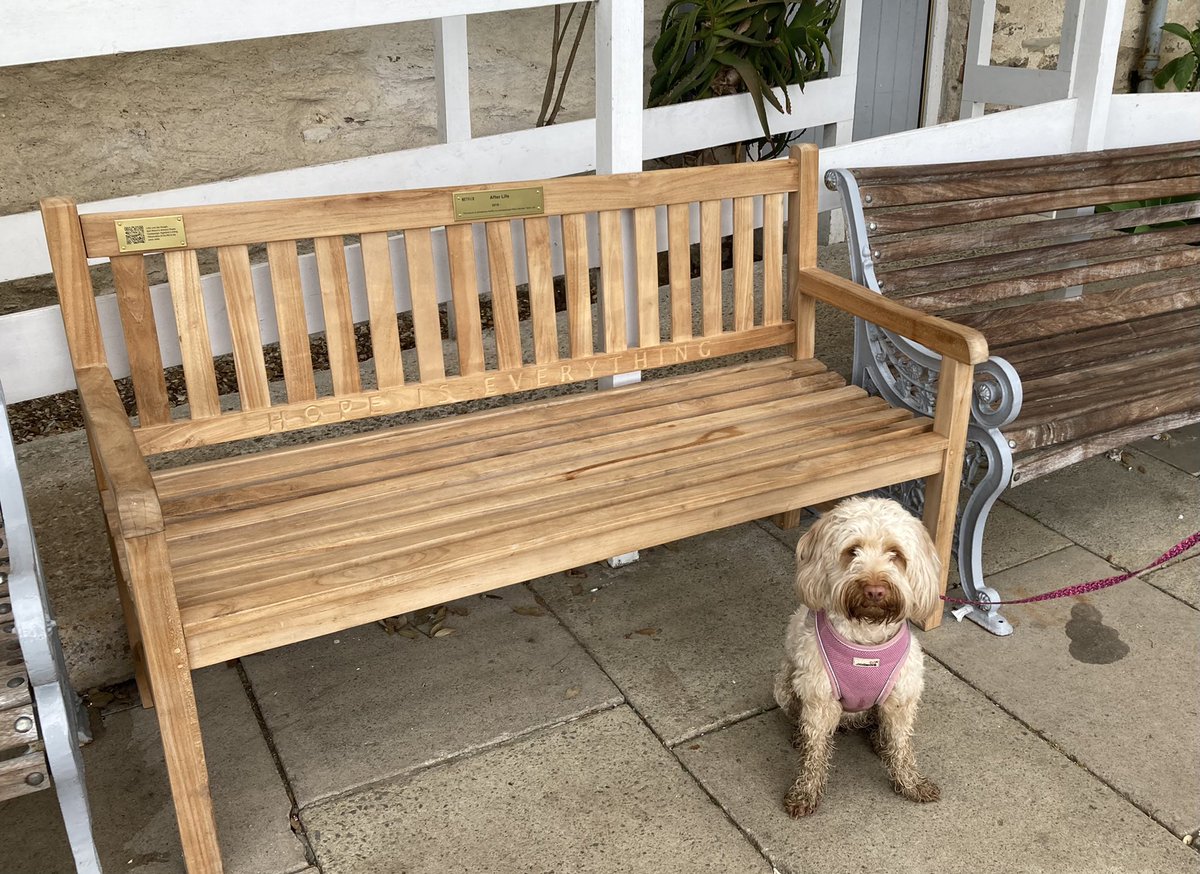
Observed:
{"x":135,"y":235}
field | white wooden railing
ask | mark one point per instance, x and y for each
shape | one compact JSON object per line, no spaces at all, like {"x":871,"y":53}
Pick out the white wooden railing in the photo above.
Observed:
{"x":33,"y":356}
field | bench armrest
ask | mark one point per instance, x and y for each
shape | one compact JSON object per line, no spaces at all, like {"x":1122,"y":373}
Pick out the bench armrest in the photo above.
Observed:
{"x":115,"y":449}
{"x":953,"y":341}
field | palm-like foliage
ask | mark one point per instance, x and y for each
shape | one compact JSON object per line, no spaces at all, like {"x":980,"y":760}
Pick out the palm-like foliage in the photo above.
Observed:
{"x":708,"y":48}
{"x":1184,"y":70}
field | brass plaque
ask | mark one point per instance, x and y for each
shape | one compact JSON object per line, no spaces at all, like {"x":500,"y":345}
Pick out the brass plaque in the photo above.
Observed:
{"x":497,"y":203}
{"x":150,"y":233}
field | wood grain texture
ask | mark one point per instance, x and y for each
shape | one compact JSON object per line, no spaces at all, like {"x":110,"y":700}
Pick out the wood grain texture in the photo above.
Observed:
{"x":504,"y":295}
{"x":294,"y":346}
{"x":772,"y":236}
{"x":141,"y":338}
{"x":679,"y":266}
{"x":645,"y":241}
{"x":381,"y":305}
{"x":427,"y":326}
{"x":464,"y":291}
{"x":191,"y":321}
{"x":16,"y":774}
{"x":743,"y":263}
{"x":243,"y":326}
{"x":339,"y":322}
{"x":329,"y":216}
{"x":612,"y":281}
{"x":579,"y":286}
{"x":541,"y":290}
{"x":68,"y":259}
{"x":711,"y":308}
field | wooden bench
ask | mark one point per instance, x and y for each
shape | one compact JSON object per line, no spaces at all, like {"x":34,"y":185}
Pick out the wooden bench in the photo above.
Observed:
{"x":41,"y":720}
{"x":225,"y":558}
{"x":1094,"y":330}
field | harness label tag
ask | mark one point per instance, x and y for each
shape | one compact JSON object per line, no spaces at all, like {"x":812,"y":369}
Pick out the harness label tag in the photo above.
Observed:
{"x":866,"y":663}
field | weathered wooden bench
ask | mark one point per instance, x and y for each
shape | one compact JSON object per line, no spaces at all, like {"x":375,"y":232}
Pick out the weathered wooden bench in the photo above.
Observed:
{"x":225,"y":558}
{"x":1094,"y":329}
{"x":41,"y":721}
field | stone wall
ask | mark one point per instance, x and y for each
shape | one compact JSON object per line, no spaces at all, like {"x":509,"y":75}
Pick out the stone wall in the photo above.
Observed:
{"x":1028,"y":34}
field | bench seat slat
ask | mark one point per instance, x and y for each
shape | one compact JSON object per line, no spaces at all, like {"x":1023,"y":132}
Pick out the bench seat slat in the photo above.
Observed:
{"x":436,"y":450}
{"x":492,"y":494}
{"x":241,"y":470}
{"x":406,"y":491}
{"x":417,"y":567}
{"x":15,"y":774}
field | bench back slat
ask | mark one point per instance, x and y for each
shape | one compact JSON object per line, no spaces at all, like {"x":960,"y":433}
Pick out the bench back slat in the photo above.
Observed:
{"x":679,"y":268}
{"x":376,"y":255}
{"x":191,"y":321}
{"x":141,"y":338}
{"x":645,"y":244}
{"x":339,"y":320}
{"x":381,"y":305}
{"x":248,"y":360}
{"x":540,"y":263}
{"x":295,"y":350}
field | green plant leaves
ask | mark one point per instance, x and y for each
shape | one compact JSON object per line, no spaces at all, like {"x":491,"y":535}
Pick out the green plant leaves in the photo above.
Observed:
{"x":1183,"y":71}
{"x":767,"y":44}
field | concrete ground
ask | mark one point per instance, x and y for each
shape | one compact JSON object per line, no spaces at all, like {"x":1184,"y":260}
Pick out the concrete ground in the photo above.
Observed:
{"x":621,"y":720}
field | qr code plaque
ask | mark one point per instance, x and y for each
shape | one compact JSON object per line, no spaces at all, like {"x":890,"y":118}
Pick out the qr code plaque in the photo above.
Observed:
{"x":150,"y":234}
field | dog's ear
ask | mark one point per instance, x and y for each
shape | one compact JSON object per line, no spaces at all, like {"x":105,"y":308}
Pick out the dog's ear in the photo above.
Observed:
{"x":924,"y":573}
{"x":811,"y":573}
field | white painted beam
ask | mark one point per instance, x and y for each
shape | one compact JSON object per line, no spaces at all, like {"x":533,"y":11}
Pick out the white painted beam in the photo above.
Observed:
{"x":451,"y":69}
{"x":1094,"y":71}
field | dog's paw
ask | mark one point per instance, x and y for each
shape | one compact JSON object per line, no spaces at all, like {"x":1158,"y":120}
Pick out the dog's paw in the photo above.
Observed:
{"x":798,"y":804}
{"x":922,"y":792}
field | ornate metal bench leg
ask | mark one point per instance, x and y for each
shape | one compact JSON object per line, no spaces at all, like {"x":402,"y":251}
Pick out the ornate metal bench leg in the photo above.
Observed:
{"x":987,"y":470}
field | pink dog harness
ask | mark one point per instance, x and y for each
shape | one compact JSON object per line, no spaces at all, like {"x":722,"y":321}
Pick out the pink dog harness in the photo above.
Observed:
{"x":862,"y":676}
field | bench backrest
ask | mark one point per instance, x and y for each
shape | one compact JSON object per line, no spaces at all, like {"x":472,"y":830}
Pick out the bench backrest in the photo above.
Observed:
{"x":412,"y":244}
{"x":950,"y":238}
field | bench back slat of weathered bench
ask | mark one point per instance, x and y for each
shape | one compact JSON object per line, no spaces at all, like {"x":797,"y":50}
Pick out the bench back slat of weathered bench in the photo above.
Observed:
{"x":378,"y":254}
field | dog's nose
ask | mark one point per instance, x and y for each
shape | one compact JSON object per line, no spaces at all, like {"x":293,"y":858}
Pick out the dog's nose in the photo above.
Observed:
{"x":875,"y":593}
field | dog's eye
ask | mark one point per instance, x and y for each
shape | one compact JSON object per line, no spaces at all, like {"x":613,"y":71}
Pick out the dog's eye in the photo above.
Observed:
{"x":897,"y":555}
{"x":850,"y":553}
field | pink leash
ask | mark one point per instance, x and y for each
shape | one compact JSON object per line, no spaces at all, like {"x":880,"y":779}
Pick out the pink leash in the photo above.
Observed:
{"x":1095,"y":585}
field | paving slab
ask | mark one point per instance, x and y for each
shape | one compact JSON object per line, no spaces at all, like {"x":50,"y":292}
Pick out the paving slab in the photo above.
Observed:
{"x":1010,"y":802}
{"x":692,"y":632}
{"x":1133,"y":515}
{"x":1181,"y":448}
{"x":1181,"y":579}
{"x":597,"y":795}
{"x":363,"y":705}
{"x":1112,"y":678}
{"x":133,"y":818}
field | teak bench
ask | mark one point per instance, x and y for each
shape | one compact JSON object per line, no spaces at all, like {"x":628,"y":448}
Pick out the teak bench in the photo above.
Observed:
{"x":1094,"y":328}
{"x":222,"y":559}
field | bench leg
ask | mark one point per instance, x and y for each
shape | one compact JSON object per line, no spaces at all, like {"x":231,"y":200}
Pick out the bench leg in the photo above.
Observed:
{"x":175,"y":702}
{"x":941,"y":490}
{"x":986,"y":448}
{"x":788,"y":520}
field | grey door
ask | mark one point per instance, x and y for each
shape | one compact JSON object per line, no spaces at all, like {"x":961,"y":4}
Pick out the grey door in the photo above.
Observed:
{"x":891,"y":66}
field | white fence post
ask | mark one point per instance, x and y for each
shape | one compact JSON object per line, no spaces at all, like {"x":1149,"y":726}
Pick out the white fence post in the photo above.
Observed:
{"x":1094,"y":69}
{"x":979,"y":54}
{"x":844,"y":36}
{"x":453,"y":82}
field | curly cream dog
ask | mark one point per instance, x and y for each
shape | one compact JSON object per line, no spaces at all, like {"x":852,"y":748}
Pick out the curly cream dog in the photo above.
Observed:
{"x":863,"y":570}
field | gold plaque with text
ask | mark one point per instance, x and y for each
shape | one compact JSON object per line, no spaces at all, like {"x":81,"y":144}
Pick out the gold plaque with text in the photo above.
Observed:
{"x":497,"y":203}
{"x":151,"y":233}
